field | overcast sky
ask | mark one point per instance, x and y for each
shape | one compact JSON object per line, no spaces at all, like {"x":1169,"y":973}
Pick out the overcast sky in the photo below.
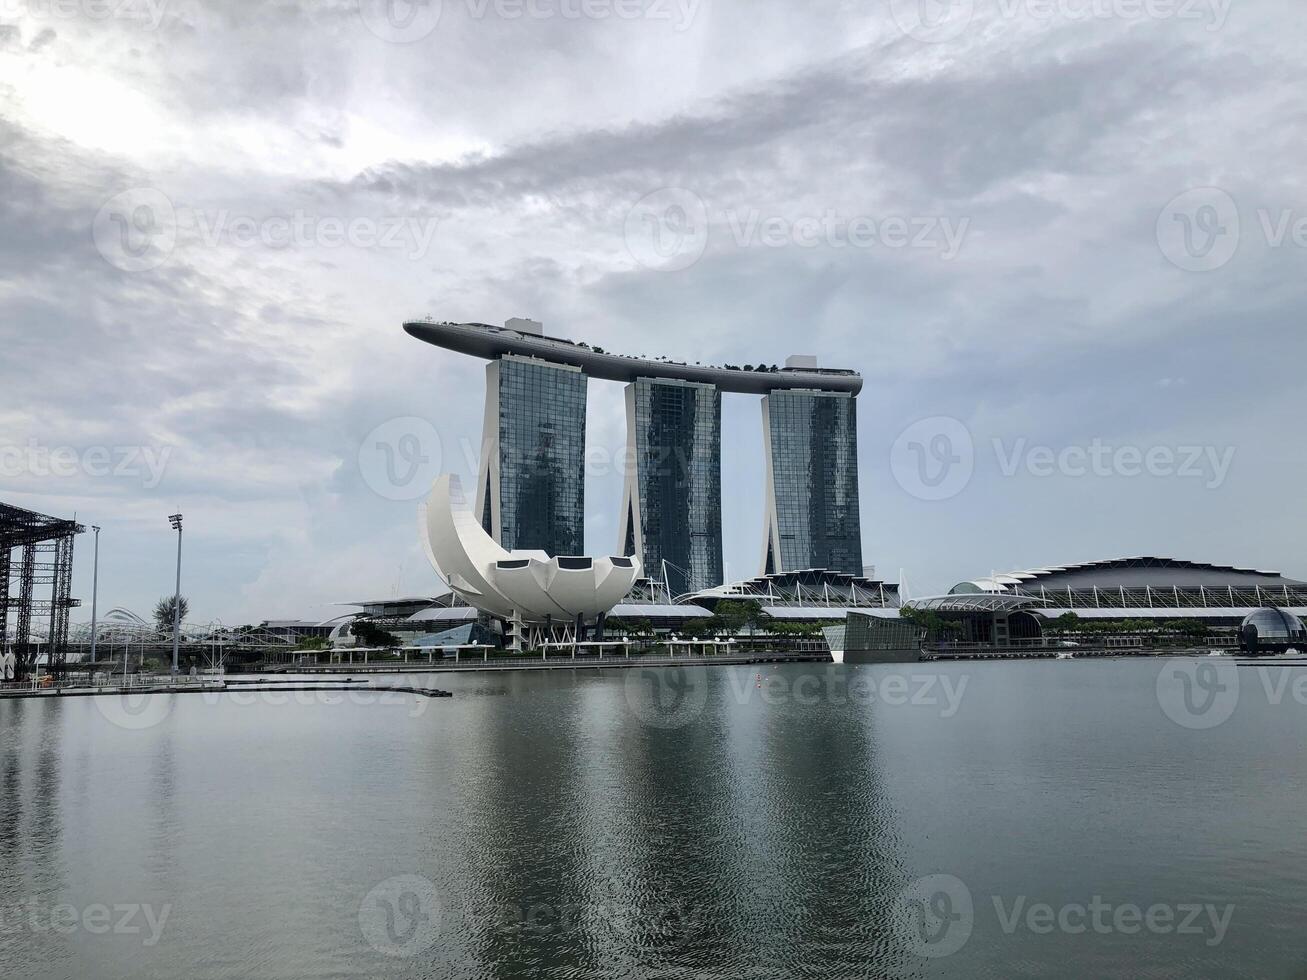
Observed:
{"x":1063,"y":240}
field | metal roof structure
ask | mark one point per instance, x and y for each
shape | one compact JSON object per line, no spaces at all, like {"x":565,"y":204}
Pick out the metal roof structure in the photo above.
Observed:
{"x":442,"y":614}
{"x":400,"y":601}
{"x":987,"y":602}
{"x":484,"y":340}
{"x":807,"y":587}
{"x":829,"y":612}
{"x":1154,"y":571}
{"x":640,"y":610}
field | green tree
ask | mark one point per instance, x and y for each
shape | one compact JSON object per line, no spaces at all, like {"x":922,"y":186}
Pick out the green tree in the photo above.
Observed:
{"x":700,"y":628}
{"x":369,"y":634}
{"x":735,"y":614}
{"x":934,"y":625}
{"x":1193,"y":628}
{"x":1068,"y":622}
{"x":163,"y":612}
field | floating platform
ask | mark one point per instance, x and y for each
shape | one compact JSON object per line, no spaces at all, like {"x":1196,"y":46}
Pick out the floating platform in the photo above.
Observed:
{"x":253,"y":686}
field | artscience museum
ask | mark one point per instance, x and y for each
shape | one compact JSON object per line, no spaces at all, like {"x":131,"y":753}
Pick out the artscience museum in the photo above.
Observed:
{"x":540,"y":596}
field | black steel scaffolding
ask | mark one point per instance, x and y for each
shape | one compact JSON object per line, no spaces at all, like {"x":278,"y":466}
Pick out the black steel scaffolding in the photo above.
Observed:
{"x":35,"y":550}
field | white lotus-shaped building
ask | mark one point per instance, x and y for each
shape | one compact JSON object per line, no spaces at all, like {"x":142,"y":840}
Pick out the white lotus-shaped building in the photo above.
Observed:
{"x":522,"y":587}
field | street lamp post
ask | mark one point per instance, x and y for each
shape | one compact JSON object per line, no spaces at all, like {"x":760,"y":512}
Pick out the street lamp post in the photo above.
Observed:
{"x":95,"y":589}
{"x":176,"y":521}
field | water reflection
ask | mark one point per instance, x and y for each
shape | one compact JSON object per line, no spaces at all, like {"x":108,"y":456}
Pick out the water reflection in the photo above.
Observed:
{"x":560,"y":830}
{"x":606,"y":846}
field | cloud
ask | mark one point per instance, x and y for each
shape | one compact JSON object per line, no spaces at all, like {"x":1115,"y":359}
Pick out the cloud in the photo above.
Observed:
{"x":263,"y":347}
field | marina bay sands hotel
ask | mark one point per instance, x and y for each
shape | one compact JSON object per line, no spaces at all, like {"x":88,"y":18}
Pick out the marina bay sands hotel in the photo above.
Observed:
{"x":531,"y":485}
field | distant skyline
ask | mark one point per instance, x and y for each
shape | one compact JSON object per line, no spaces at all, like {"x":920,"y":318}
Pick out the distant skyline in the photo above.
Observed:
{"x":1063,"y":243}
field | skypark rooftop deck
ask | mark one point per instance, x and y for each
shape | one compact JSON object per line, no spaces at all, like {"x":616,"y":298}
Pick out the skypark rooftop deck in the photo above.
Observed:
{"x":483,"y":340}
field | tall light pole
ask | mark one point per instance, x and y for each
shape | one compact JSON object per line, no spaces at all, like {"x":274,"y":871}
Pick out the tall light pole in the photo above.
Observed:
{"x":176,"y":521}
{"x":95,"y":589}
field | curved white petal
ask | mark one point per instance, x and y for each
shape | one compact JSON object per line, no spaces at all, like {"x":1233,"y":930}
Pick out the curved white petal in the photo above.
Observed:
{"x":528,"y":584}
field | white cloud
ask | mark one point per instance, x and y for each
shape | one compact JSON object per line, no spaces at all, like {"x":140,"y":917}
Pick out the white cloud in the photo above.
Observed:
{"x":525,"y":142}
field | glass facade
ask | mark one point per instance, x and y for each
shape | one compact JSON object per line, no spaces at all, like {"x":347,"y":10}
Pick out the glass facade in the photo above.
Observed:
{"x":541,"y":457}
{"x":1275,"y":624}
{"x":813,"y":471}
{"x":873,"y":633}
{"x":677,"y":429}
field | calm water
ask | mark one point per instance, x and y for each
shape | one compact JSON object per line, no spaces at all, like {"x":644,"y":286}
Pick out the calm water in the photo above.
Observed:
{"x":569,"y":825}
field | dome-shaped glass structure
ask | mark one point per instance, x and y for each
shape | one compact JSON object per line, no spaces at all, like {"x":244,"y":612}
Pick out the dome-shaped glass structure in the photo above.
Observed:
{"x":1271,"y":629}
{"x":1275,"y":624}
